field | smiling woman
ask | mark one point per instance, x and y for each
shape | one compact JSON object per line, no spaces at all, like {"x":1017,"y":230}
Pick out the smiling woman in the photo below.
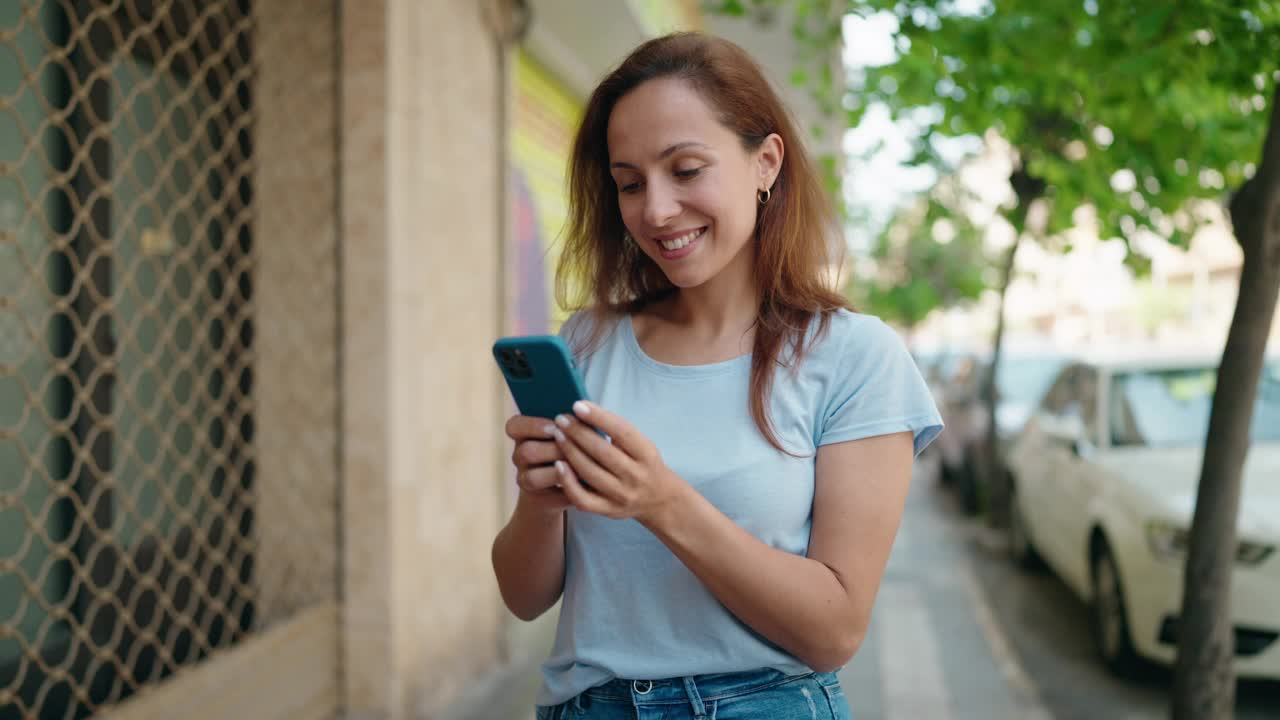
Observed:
{"x":670,"y":197}
{"x":718,"y":543}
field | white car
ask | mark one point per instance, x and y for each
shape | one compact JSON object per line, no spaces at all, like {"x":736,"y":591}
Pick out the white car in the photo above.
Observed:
{"x":1105,"y":476}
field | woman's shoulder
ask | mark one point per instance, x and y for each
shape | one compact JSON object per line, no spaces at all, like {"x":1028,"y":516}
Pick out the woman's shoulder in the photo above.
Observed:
{"x":847,"y":330}
{"x":844,"y":341}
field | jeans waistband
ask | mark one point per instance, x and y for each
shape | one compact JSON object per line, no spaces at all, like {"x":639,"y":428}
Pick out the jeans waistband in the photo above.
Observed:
{"x":697,"y":688}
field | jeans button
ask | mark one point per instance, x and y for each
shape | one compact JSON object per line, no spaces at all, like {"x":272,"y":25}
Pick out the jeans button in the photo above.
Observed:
{"x":642,"y":687}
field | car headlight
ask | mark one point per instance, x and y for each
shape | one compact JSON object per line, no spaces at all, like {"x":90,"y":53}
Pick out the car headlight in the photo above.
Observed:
{"x":1168,"y":541}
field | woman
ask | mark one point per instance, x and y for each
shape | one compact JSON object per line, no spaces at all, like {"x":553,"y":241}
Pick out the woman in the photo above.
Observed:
{"x":719,"y":552}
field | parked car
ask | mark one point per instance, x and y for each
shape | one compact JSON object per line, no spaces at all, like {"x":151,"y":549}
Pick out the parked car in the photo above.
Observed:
{"x":957,"y":390}
{"x":1022,"y":378}
{"x":1105,"y":477}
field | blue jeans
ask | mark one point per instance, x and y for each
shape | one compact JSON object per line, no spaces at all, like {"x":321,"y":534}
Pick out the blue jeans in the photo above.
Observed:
{"x":756,"y":695}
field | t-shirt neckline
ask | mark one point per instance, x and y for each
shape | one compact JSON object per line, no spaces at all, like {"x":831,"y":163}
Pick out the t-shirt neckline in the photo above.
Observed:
{"x":683,"y":371}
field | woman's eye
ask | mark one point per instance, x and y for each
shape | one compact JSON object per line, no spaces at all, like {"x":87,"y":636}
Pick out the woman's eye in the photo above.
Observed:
{"x":629,"y":187}
{"x":686,"y":174}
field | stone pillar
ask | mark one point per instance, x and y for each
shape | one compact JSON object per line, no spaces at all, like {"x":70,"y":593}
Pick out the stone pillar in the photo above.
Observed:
{"x":421,"y":274}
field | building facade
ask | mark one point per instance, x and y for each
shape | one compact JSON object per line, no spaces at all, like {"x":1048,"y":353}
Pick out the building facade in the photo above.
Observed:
{"x":253,"y":255}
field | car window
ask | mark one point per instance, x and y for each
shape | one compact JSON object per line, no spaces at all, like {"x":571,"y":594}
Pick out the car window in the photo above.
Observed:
{"x":1087,"y":396}
{"x":1060,"y":393}
{"x":1024,"y":378}
{"x":1170,"y":408}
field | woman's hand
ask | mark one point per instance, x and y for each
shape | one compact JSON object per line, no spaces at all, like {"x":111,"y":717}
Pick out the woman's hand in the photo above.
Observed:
{"x":534,"y":455}
{"x":625,"y":471}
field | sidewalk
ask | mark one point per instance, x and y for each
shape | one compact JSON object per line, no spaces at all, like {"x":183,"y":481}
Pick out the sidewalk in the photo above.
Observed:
{"x":933,"y":651}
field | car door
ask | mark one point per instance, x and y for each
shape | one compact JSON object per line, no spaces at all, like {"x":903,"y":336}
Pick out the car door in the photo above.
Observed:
{"x":1035,"y":460}
{"x":1079,"y":476}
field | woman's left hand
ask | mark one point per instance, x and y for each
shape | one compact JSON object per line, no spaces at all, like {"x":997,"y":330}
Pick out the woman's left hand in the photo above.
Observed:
{"x":625,"y":472}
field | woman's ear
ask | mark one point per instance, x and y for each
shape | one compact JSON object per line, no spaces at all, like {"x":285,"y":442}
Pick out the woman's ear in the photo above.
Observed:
{"x":769,"y":160}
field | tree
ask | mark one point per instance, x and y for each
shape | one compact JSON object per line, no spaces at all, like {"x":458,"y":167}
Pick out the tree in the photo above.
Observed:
{"x":1134,"y":109}
{"x":929,"y":256}
{"x":953,"y":77}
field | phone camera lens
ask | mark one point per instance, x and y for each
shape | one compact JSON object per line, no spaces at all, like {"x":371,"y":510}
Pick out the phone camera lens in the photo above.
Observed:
{"x":515,"y":363}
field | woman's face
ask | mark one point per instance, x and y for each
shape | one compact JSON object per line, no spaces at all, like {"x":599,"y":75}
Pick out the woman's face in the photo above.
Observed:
{"x":686,"y":187}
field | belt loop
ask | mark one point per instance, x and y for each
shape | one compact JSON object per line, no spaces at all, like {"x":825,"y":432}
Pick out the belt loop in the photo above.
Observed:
{"x":695,"y":699}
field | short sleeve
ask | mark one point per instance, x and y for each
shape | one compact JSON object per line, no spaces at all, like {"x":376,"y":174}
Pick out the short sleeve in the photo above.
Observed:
{"x":876,"y":389}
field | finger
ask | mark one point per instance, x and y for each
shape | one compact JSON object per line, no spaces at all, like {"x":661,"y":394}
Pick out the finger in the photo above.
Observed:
{"x":524,"y":427}
{"x":531,"y":453}
{"x":612,"y":459}
{"x":622,"y":433}
{"x":552,"y":497}
{"x":602,"y":482}
{"x":581,"y":498}
{"x":537,"y":479}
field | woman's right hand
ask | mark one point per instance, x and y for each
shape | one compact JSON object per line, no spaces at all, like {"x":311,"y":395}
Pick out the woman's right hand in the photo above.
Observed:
{"x":534,"y":456}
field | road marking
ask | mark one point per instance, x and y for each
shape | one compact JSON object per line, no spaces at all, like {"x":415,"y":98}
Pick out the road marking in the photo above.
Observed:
{"x":1028,"y":695}
{"x":910,"y":661}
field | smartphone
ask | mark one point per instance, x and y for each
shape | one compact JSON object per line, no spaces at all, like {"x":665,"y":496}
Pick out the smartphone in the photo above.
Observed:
{"x":540,"y":373}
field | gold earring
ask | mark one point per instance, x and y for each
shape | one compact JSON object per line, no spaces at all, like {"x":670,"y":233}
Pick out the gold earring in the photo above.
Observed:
{"x":764,"y":195}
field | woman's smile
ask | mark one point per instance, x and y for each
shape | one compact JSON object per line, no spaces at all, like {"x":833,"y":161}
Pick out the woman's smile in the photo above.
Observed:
{"x":674,"y":246}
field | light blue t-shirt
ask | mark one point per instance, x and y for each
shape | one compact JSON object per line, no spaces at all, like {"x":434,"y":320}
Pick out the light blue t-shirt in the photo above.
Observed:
{"x":631,"y":609}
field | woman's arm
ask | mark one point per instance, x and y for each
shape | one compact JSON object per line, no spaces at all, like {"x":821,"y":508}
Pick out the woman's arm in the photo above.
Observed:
{"x":815,"y":607}
{"x":528,"y":559}
{"x":528,"y":554}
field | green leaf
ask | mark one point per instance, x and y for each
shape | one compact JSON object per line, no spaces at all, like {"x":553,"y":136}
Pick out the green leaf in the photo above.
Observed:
{"x":1153,"y":21}
{"x":731,"y":8}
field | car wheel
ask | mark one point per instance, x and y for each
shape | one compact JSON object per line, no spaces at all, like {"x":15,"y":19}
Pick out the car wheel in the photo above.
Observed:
{"x":1020,"y":548}
{"x":1110,"y":621}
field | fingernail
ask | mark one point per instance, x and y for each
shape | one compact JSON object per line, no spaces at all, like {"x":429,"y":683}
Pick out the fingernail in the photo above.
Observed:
{"x":559,"y":435}
{"x":561,"y":467}
{"x":582,"y":408}
{"x":562,"y":421}
{"x":549,"y":430}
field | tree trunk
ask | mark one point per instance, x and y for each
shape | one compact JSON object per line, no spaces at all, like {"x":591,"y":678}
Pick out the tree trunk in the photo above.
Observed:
{"x":990,"y":467}
{"x":1204,"y":680}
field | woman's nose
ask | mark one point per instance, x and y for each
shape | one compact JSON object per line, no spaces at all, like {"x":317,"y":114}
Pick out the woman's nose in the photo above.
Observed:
{"x":660,"y":206}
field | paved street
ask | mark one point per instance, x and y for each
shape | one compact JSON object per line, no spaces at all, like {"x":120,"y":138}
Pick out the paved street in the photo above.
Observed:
{"x":1049,"y":629}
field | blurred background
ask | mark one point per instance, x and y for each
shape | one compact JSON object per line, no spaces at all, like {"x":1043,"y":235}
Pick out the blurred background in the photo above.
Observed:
{"x":253,"y":254}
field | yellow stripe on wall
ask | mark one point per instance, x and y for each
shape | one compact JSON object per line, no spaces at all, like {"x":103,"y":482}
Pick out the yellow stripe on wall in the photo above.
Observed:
{"x":544,"y":119}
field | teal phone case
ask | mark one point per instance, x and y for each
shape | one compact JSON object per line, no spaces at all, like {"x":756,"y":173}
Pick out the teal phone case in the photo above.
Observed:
{"x":540,"y":373}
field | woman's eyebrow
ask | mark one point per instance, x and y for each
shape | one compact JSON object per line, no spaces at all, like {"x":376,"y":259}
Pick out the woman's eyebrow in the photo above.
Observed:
{"x":664,"y":154}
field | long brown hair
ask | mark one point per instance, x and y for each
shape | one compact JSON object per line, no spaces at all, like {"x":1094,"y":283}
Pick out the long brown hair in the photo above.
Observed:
{"x":793,"y":229}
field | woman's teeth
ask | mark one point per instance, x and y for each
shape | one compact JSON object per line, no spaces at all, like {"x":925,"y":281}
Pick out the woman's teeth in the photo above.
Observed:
{"x":682,"y":240}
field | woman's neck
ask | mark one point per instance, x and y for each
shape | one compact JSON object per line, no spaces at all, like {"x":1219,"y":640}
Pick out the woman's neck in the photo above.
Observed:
{"x":727,"y":303}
